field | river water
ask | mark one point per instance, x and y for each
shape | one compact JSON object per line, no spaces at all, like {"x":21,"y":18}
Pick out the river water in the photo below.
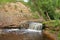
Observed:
{"x":20,"y":34}
{"x":34,"y":32}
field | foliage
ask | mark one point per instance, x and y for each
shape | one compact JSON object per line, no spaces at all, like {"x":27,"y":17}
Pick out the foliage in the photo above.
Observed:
{"x":52,"y":23}
{"x":59,"y":35}
{"x":57,"y":16}
{"x":35,"y":15}
{"x":58,"y":4}
{"x":46,"y":8}
{"x":5,"y":1}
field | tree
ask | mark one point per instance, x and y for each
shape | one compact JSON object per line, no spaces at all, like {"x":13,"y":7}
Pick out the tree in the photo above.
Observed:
{"x":46,"y":8}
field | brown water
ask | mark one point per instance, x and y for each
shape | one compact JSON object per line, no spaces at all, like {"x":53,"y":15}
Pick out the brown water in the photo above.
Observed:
{"x":23,"y":34}
{"x":20,"y":35}
{"x":34,"y":32}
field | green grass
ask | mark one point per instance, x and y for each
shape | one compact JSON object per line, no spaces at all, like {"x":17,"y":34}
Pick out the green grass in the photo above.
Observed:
{"x":53,"y":23}
{"x":58,"y":38}
{"x":35,"y":15}
{"x":59,"y":35}
{"x":5,"y":1}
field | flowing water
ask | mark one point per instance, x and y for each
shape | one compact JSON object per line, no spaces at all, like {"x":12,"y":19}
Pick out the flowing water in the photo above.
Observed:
{"x":34,"y":32}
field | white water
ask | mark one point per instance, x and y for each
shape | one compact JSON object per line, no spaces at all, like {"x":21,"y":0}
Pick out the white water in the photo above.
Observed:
{"x":33,"y":28}
{"x":34,"y":32}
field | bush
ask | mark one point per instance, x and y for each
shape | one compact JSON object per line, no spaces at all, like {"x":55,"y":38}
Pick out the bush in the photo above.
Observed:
{"x":52,"y":23}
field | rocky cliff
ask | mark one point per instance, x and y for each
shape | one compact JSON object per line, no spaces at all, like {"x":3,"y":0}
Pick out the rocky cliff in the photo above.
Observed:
{"x":12,"y":14}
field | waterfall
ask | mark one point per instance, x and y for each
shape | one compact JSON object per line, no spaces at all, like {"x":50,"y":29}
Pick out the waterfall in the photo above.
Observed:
{"x":35,"y":26}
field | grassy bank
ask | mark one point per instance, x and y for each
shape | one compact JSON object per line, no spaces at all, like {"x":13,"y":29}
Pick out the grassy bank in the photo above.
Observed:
{"x":53,"y":26}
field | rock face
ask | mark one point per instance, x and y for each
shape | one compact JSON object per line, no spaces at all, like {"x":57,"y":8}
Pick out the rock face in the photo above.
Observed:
{"x":11,"y":14}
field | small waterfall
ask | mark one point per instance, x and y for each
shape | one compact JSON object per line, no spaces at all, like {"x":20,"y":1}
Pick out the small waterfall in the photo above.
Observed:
{"x":34,"y":32}
{"x":35,"y":26}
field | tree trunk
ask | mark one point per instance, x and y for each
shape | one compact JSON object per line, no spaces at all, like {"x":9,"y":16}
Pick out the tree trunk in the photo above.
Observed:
{"x":48,"y":16}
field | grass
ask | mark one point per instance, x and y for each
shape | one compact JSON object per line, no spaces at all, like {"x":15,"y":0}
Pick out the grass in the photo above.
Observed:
{"x":59,"y":35}
{"x":5,"y":1}
{"x":35,"y":16}
{"x":53,"y":23}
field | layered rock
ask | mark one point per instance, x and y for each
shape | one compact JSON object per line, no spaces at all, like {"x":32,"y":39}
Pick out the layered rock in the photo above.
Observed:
{"x":13,"y":14}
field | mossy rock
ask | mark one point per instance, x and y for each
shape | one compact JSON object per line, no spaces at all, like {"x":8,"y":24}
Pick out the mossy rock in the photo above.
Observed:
{"x":52,"y":24}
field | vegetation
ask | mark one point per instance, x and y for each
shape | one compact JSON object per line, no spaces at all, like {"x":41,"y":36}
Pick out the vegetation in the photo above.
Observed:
{"x":48,"y":9}
{"x":45,"y":8}
{"x":59,"y":35}
{"x":5,"y":1}
{"x":53,"y":23}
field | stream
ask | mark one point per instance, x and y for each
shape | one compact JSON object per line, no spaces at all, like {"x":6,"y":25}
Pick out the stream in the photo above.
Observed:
{"x":34,"y":32}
